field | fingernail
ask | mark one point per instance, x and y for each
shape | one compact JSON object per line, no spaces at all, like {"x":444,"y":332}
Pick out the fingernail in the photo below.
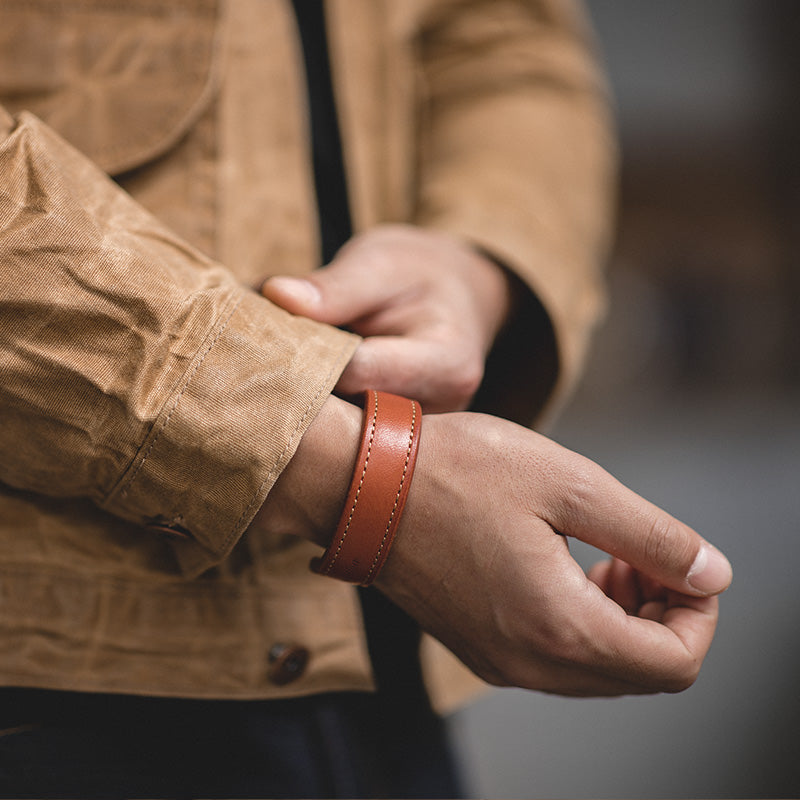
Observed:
{"x":298,"y":289}
{"x":711,"y":572}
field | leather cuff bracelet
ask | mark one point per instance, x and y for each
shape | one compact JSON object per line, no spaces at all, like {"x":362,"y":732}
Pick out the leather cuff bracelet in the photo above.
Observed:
{"x":378,"y":491}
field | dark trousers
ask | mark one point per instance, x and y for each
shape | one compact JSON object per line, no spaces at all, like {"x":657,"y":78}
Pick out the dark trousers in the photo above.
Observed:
{"x":55,"y":744}
{"x":388,"y":744}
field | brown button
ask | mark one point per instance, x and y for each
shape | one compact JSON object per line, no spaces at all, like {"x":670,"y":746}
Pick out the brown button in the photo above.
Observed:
{"x":168,"y":531}
{"x":287,"y":662}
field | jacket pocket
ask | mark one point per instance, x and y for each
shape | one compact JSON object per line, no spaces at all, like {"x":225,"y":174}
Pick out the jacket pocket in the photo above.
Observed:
{"x":122,"y":80}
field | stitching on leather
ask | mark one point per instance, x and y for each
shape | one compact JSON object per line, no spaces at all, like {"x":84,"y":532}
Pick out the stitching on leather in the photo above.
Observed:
{"x":399,"y":491}
{"x":358,"y":491}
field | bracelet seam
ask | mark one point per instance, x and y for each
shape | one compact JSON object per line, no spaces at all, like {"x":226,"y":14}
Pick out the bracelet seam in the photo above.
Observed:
{"x":346,"y":530}
{"x":368,"y":578}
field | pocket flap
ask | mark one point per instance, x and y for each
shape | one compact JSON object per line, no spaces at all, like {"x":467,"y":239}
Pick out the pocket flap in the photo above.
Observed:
{"x":121,"y":81}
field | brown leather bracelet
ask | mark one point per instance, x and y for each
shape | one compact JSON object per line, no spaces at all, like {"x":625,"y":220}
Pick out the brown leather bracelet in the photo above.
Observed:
{"x":381,"y":479}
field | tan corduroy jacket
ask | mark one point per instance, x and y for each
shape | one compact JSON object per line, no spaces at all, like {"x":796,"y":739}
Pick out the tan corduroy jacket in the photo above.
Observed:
{"x":144,"y":382}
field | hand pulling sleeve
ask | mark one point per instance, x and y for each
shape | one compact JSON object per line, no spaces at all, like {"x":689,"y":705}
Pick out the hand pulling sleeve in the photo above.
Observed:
{"x":134,"y":370}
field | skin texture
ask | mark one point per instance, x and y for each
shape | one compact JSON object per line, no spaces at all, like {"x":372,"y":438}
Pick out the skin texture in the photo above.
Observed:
{"x":481,"y":558}
{"x":480,"y":564}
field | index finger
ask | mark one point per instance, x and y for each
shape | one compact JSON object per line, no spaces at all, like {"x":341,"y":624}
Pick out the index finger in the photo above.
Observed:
{"x":664,"y":653}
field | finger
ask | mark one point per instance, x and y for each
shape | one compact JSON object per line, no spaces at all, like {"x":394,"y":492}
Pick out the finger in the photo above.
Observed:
{"x":351,"y":286}
{"x":297,"y":295}
{"x":663,"y":648}
{"x":598,"y":574}
{"x":692,"y":619}
{"x":438,"y":378}
{"x":629,"y":588}
{"x":667,"y":642}
{"x":653,"y":610}
{"x":572,"y":681}
{"x":591,"y":631}
{"x":623,"y":588}
{"x":599,"y":510}
{"x":604,"y":651}
{"x":650,"y":589}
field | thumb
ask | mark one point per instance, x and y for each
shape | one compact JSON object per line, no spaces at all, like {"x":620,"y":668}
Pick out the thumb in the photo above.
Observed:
{"x":297,"y":295}
{"x":340,"y":293}
{"x":618,"y":521}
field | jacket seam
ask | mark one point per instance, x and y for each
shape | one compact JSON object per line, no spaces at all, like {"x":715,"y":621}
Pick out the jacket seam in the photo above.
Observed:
{"x":126,"y":484}
{"x":276,"y":465}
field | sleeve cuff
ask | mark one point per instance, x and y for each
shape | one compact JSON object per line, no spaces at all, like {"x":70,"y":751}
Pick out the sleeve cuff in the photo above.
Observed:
{"x":230,"y":427}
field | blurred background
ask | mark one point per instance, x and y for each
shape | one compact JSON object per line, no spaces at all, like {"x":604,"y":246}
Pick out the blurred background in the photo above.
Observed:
{"x":692,"y":399}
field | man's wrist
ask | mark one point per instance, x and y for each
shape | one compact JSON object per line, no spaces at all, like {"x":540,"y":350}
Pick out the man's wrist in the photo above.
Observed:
{"x":307,"y":499}
{"x":378,"y":491}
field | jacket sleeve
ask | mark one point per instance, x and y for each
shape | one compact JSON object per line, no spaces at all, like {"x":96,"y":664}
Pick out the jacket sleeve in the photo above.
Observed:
{"x":134,"y":370}
{"x":518,"y":156}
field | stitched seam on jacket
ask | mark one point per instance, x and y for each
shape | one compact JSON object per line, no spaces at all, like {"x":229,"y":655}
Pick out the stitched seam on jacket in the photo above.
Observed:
{"x":275,"y":467}
{"x":126,"y":484}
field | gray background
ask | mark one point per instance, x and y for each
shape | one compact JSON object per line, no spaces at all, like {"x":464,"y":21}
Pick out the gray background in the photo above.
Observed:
{"x":692,"y":400}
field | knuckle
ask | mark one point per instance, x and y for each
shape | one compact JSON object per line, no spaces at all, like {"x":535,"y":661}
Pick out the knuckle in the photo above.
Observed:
{"x":666,"y":544}
{"x":447,"y":382}
{"x":377,"y":239}
{"x":369,"y":246}
{"x":464,"y":382}
{"x":359,"y":372}
{"x":578,"y":479}
{"x":363,"y":372}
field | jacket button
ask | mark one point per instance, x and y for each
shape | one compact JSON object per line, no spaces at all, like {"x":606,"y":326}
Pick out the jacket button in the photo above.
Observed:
{"x":168,"y":531}
{"x":287,"y":663}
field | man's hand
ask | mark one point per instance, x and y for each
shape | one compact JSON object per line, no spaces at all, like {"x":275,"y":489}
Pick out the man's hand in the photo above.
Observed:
{"x":480,"y":560}
{"x":428,"y":306}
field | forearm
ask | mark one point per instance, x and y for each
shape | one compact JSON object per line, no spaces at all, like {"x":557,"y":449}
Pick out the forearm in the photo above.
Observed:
{"x":307,"y":498}
{"x":137,"y":372}
{"x":480,"y":557}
